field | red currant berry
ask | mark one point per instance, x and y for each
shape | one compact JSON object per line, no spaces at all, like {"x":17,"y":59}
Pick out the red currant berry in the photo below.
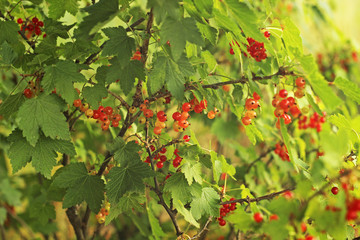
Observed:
{"x":256,"y":96}
{"x":300,"y":82}
{"x":246,"y":121}
{"x":163,"y":150}
{"x":19,"y":21}
{"x":274,"y":217}
{"x":35,"y":20}
{"x":203,"y":104}
{"x":267,"y":34}
{"x":108,"y":110}
{"x":283,"y":93}
{"x":232,"y":51}
{"x":40,"y":23}
{"x":159,"y":164}
{"x":198,"y":109}
{"x":157,"y":130}
{"x":186,"y":107}
{"x":222,"y":222}
{"x":335,"y":190}
{"x":152,"y":148}
{"x":186,"y":138}
{"x":163,"y":158}
{"x":258,"y":217}
{"x":160,"y":114}
{"x":176,"y":116}
{"x":28,"y":93}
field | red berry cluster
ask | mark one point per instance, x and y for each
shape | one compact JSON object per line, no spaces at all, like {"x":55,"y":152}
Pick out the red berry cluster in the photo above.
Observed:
{"x":158,"y":157}
{"x":32,"y":89}
{"x":136,"y":56}
{"x":300,"y":86}
{"x":100,"y":217}
{"x":103,"y":115}
{"x":283,"y":106}
{"x":250,"y":105}
{"x":32,"y":27}
{"x":353,"y":207}
{"x":178,"y":159}
{"x":309,"y":237}
{"x":181,"y":122}
{"x":224,"y":210}
{"x":256,"y":49}
{"x":282,"y":152}
{"x":315,"y":122}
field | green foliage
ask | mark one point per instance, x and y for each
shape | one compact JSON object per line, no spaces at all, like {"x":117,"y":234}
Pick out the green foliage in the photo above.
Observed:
{"x":80,"y":186}
{"x":43,"y":113}
{"x":168,"y":185}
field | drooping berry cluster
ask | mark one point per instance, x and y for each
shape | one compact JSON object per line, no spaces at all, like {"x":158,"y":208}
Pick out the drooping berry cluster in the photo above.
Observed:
{"x":160,"y":157}
{"x":256,"y":49}
{"x":181,"y":119}
{"x":315,"y":121}
{"x":284,"y":105}
{"x":224,"y":210}
{"x":103,"y":115}
{"x":32,"y":89}
{"x":31,"y":27}
{"x":353,"y":207}
{"x":300,"y":86}
{"x":178,"y":159}
{"x":282,"y":152}
{"x":250,"y":105}
{"x":101,"y":216}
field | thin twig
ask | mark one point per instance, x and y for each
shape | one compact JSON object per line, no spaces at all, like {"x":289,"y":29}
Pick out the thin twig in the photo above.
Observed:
{"x":264,"y":154}
{"x":265,"y":197}
{"x":203,"y":229}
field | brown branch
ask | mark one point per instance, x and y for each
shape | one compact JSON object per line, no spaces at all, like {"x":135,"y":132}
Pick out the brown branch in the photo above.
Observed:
{"x":123,"y":102}
{"x":203,"y":230}
{"x":265,"y":197}
{"x":282,"y":72}
{"x":157,"y":190}
{"x":264,"y":154}
{"x":75,"y":222}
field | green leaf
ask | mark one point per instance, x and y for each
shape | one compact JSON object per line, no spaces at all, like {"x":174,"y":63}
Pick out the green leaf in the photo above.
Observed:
{"x":208,"y":32}
{"x":43,"y":155}
{"x":94,"y":95}
{"x":240,"y":219}
{"x":81,"y":186}
{"x":318,"y":83}
{"x":350,"y":89}
{"x":208,"y":203}
{"x":246,"y":18}
{"x":2,"y":215}
{"x":9,"y":32}
{"x":126,"y":203}
{"x":125,"y":73}
{"x":340,"y":121}
{"x":124,"y":152}
{"x":205,"y":7}
{"x":42,"y":210}
{"x":119,"y":44}
{"x":8,"y":54}
{"x":172,"y":73}
{"x":179,"y":187}
{"x":177,"y":32}
{"x":163,"y":8}
{"x":42,"y":112}
{"x":80,"y":49}
{"x":253,"y":134}
{"x":61,"y":76}
{"x":292,"y":39}
{"x":192,"y":172}
{"x":99,"y":14}
{"x":58,"y":8}
{"x":9,"y":194}
{"x":11,"y":104}
{"x":156,"y":229}
{"x":127,"y":178}
{"x":286,"y":139}
{"x":179,"y":206}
